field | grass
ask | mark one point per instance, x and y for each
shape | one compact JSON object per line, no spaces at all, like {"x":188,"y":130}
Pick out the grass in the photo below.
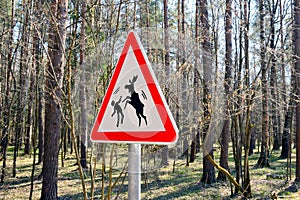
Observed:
{"x":161,"y":182}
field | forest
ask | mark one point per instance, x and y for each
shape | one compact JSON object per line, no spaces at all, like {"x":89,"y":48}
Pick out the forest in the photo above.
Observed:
{"x":229,"y":71}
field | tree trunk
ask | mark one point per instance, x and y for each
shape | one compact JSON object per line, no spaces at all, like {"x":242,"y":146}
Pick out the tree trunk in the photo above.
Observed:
{"x":252,"y":140}
{"x":195,"y":146}
{"x":185,"y":122}
{"x":57,"y":38}
{"x":237,"y":149}
{"x":178,"y":83}
{"x":82,"y":93}
{"x":247,"y":182}
{"x":20,"y":104}
{"x":273,"y":78}
{"x":236,"y":130}
{"x":167,"y":45}
{"x":184,"y":85}
{"x":40,"y":117}
{"x":29,"y":120}
{"x":35,"y":65}
{"x":297,"y":70}
{"x":282,"y":65}
{"x":208,"y":173}
{"x":167,"y":69}
{"x":39,"y":70}
{"x":285,"y":140}
{"x":263,"y":160}
{"x":6,"y":114}
{"x":228,"y":87}
{"x":28,"y":123}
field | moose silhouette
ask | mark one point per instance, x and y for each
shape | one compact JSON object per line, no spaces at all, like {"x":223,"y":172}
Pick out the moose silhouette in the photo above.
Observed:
{"x":134,"y":100}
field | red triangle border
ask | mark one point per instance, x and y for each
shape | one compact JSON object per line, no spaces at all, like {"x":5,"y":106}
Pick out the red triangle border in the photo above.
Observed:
{"x":168,"y":136}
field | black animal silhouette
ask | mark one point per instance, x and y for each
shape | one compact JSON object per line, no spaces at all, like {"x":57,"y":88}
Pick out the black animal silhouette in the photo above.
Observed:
{"x":118,"y":109}
{"x":134,"y":100}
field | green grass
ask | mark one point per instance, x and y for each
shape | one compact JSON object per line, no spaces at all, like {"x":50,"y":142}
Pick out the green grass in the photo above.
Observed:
{"x":161,"y":183}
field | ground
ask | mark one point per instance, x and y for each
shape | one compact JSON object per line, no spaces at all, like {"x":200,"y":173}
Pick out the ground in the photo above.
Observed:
{"x":162,"y":183}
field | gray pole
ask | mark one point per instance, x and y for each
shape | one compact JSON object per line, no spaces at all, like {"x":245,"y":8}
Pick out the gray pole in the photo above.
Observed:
{"x":134,"y":171}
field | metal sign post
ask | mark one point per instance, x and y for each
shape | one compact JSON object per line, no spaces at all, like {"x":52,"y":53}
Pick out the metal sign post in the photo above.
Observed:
{"x":134,"y":172}
{"x":148,"y":121}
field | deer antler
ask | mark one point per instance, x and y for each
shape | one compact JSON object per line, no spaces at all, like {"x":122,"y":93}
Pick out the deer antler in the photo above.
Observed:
{"x":133,"y":79}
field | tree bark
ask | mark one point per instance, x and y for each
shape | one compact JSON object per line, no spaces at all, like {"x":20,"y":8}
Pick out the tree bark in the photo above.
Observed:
{"x":273,"y":79}
{"x":6,"y":114}
{"x":252,"y":140}
{"x":82,"y":93}
{"x":247,"y":182}
{"x":28,"y":128}
{"x":57,"y":38}
{"x":40,"y":73}
{"x":208,"y":173}
{"x":228,"y":87}
{"x":286,"y":134}
{"x":263,"y":160}
{"x":166,"y":38}
{"x":196,"y":92}
{"x":285,"y":140}
{"x":297,"y":70}
{"x":236,"y":130}
{"x":40,"y":88}
{"x":282,"y":68}
{"x":28,"y":123}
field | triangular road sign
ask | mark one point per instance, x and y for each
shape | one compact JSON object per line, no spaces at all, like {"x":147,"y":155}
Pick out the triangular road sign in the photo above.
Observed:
{"x":134,"y":109}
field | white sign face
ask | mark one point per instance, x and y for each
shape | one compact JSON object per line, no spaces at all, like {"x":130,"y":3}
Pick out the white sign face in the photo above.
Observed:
{"x":131,"y":107}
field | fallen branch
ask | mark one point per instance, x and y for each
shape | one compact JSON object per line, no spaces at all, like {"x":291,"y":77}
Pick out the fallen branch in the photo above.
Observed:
{"x":226,"y":173}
